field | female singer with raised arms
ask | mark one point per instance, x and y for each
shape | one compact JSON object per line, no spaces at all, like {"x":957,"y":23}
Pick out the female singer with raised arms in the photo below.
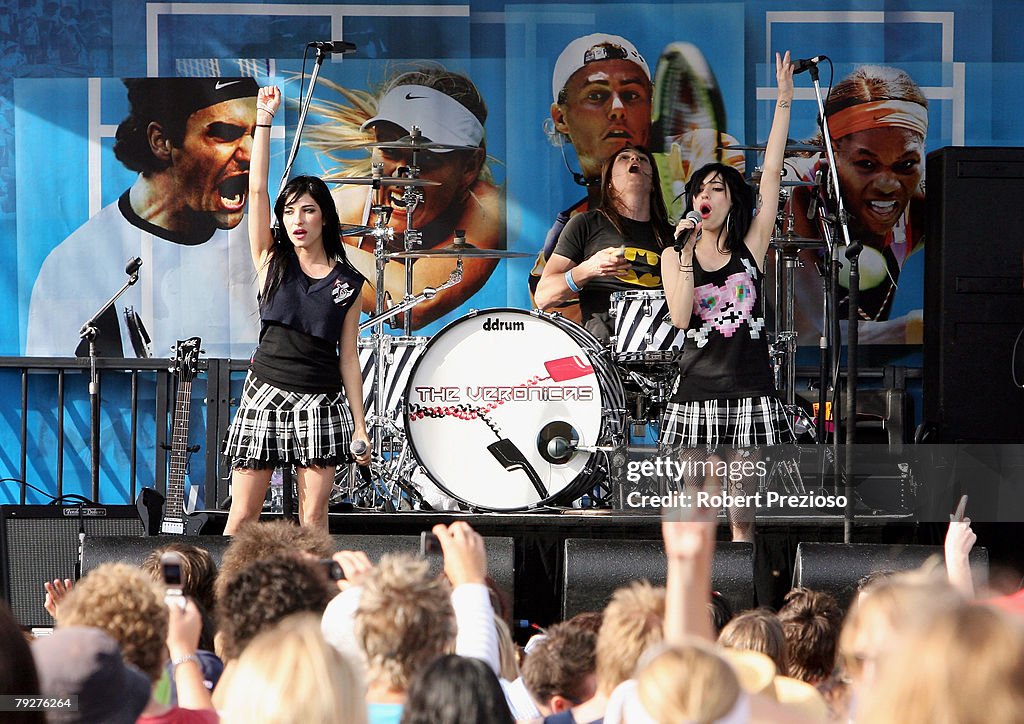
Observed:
{"x":723,"y":404}
{"x":302,"y":401}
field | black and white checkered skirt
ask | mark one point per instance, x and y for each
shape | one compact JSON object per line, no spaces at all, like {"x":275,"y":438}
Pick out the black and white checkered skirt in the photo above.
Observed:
{"x":276,"y":427}
{"x":740,"y":423}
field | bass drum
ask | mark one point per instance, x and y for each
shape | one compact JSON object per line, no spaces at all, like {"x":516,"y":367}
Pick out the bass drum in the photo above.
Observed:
{"x":497,"y":398}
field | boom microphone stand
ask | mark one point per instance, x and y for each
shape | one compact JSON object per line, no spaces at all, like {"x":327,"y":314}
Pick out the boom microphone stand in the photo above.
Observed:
{"x":853,"y":250}
{"x":90,"y":332}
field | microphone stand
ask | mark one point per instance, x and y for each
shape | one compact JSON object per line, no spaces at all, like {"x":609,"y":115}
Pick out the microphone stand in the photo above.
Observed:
{"x":853,"y":250}
{"x":90,"y":332}
{"x":321,"y":52}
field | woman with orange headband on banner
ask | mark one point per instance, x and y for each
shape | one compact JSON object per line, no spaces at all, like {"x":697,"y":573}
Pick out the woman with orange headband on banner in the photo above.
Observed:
{"x":878,"y":120}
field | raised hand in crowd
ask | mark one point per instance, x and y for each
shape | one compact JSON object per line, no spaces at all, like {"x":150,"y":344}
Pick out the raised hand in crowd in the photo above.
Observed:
{"x":356,"y":565}
{"x":465,"y":560}
{"x":56,"y":590}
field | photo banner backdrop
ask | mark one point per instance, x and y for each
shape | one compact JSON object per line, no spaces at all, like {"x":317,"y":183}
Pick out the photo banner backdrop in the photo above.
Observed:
{"x":66,"y":197}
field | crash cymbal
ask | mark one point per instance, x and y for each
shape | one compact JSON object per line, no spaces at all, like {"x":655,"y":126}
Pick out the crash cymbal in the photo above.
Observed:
{"x":457,"y":250}
{"x":382,"y":181}
{"x":415,"y":143}
{"x":790,"y":148}
{"x":755,"y":179}
{"x":792,"y":244}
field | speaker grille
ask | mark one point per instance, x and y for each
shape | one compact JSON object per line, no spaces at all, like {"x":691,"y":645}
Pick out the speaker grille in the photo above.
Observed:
{"x":40,"y":543}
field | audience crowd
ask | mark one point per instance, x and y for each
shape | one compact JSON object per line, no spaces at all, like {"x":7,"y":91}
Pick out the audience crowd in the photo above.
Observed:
{"x":272,"y":636}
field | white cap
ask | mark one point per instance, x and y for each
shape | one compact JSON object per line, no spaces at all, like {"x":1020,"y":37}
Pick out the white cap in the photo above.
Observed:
{"x":439,"y":117}
{"x":590,"y":49}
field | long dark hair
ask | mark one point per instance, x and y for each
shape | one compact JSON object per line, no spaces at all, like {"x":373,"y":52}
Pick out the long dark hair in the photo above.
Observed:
{"x":608,"y":204}
{"x":283,"y":248}
{"x":741,"y":214}
{"x":453,"y":690}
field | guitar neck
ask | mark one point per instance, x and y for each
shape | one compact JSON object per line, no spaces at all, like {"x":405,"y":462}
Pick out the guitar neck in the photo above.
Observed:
{"x":174,"y":508}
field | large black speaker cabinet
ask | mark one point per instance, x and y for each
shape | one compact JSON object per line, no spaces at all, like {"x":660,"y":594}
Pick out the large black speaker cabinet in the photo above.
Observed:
{"x":133,"y":550}
{"x":974,"y":294}
{"x":40,"y":543}
{"x":837,"y":567}
{"x":594,"y":569}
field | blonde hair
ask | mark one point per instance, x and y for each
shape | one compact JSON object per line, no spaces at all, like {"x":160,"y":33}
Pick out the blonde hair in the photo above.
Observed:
{"x":290,"y":674}
{"x":633,"y":620}
{"x":688,"y":681}
{"x":126,"y":604}
{"x":404,"y":619}
{"x":508,"y":654}
{"x":960,"y":666}
{"x":757,"y":630}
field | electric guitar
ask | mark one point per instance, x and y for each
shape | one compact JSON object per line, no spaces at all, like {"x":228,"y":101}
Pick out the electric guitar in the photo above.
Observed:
{"x":168,"y":516}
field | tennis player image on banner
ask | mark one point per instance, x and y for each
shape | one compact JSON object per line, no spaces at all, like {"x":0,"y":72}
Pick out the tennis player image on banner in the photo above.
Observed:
{"x":189,"y":141}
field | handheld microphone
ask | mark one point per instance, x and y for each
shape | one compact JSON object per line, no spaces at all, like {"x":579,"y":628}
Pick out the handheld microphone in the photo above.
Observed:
{"x":332,"y":46}
{"x":357,"y":448}
{"x":684,"y":236}
{"x":132,"y":267}
{"x":800,"y":66}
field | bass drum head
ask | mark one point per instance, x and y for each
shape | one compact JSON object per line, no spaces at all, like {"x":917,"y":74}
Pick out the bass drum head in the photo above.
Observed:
{"x":490,"y":393}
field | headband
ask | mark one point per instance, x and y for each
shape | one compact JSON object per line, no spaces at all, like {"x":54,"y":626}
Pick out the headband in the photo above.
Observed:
{"x":879,"y":114}
{"x":441,"y":118}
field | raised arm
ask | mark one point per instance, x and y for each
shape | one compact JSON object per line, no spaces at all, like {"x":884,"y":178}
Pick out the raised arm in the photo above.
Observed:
{"x":260,"y":238}
{"x":760,"y":233}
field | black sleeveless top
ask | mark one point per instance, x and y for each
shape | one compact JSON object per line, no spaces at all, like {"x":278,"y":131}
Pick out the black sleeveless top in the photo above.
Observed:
{"x":725,"y":355}
{"x":301,"y":328}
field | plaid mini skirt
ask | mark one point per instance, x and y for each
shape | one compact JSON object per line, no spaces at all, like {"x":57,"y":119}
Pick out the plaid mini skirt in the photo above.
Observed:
{"x":740,"y":423}
{"x":277,"y":427}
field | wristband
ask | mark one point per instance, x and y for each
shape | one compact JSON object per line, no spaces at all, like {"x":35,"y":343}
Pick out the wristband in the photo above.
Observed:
{"x":570,"y":283}
{"x":175,"y":663}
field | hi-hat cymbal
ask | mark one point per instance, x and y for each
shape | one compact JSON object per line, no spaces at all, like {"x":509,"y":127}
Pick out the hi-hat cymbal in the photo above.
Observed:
{"x":457,"y":250}
{"x":415,"y":143}
{"x":790,"y":244}
{"x":382,"y":181}
{"x":790,"y":148}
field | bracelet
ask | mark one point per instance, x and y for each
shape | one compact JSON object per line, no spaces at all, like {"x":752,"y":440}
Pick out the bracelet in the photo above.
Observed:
{"x":570,"y":283}
{"x":175,"y":663}
{"x":263,"y":125}
{"x":264,"y":109}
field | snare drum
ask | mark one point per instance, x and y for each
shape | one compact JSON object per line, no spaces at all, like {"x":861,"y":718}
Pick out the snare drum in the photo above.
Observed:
{"x":643,"y":331}
{"x":496,"y":396}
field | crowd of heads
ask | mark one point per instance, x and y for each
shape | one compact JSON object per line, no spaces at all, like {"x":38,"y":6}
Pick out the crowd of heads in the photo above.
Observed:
{"x":299,"y":647}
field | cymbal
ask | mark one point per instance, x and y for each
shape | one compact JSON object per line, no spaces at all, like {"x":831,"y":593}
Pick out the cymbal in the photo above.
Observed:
{"x":457,"y":250}
{"x":382,"y":181}
{"x":755,"y":178}
{"x":790,"y":148}
{"x":415,"y":143}
{"x":792,"y":244}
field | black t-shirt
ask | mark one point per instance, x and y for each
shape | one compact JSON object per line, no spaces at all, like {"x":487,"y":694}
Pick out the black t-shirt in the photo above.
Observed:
{"x":725,"y":355}
{"x":590,"y":232}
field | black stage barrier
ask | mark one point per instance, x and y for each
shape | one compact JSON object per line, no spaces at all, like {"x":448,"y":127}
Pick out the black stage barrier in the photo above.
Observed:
{"x":837,"y":567}
{"x":40,"y":543}
{"x":594,"y":569}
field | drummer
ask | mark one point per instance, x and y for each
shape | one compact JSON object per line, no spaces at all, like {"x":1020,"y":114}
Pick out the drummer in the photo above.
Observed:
{"x":613,"y":247}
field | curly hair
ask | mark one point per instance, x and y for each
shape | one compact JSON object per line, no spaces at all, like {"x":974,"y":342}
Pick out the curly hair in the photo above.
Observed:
{"x":255,"y":541}
{"x":404,"y":619}
{"x":263,"y":593}
{"x":128,"y":605}
{"x":810,"y":622}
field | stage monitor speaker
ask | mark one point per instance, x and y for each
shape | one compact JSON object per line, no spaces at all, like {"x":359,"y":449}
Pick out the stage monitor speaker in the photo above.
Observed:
{"x":594,"y":569}
{"x":974,"y":295}
{"x":40,"y":543}
{"x":836,"y":568}
{"x":133,"y":550}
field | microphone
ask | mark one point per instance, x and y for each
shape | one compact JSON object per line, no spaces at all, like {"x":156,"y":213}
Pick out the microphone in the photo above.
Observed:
{"x":358,"y":447}
{"x":132,"y":267}
{"x":332,"y":46}
{"x":683,"y":236}
{"x":800,"y":66}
